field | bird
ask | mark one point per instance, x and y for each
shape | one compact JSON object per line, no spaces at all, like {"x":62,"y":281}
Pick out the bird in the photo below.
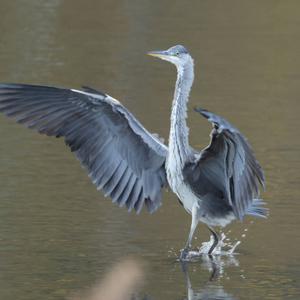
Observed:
{"x":132,"y":166}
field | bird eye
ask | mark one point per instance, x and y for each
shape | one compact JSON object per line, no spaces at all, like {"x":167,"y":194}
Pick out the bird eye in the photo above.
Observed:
{"x":177,"y":53}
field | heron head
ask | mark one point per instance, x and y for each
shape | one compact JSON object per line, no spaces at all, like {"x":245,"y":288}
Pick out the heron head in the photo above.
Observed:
{"x":177,"y":55}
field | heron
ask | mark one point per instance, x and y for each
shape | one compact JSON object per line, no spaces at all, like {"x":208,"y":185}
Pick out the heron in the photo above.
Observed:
{"x":132,"y":166}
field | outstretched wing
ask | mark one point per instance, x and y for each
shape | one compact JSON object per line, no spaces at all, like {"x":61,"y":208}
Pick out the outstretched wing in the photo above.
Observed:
{"x":227,"y":168}
{"x":122,"y":157}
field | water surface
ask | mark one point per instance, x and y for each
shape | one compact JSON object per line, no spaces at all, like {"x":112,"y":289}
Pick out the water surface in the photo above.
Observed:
{"x":58,"y":234}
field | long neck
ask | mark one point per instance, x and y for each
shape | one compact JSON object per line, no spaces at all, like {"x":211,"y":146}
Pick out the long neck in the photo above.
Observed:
{"x":179,"y":132}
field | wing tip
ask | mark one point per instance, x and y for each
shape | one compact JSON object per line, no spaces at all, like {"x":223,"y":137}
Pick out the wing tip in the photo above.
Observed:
{"x":257,"y":209}
{"x":204,"y":112}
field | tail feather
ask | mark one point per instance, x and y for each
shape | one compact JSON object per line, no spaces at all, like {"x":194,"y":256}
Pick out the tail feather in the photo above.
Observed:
{"x":257,"y":210}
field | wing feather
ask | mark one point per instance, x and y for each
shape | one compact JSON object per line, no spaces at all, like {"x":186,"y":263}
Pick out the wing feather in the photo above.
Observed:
{"x":121,"y":156}
{"x":227,"y":169}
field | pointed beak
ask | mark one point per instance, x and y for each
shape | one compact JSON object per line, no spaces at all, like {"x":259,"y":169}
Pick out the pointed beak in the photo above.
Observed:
{"x":160,"y":54}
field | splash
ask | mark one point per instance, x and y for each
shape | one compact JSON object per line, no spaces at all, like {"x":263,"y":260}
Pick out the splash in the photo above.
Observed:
{"x":225,"y":247}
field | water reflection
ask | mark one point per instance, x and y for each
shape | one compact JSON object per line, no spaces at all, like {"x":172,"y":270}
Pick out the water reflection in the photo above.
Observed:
{"x":125,"y":278}
{"x":213,"y":288}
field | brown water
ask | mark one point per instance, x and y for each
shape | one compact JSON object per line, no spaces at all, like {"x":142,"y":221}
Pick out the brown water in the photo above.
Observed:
{"x":58,"y":234}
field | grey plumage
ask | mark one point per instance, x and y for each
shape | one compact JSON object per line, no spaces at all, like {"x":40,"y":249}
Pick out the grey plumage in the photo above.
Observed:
{"x":122,"y":157}
{"x":226,"y":174}
{"x":217,"y":185}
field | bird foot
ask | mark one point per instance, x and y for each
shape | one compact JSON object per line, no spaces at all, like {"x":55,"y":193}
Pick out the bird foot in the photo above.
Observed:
{"x":184,"y":253}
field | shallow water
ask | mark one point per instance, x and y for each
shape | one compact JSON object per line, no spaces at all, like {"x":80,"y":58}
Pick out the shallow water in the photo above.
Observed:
{"x":58,"y":234}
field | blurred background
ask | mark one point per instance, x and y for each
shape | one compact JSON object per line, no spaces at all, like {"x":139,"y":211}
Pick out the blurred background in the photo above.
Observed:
{"x":58,"y":235}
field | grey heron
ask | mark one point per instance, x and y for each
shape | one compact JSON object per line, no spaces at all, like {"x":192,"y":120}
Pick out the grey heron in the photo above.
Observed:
{"x":216,"y":185}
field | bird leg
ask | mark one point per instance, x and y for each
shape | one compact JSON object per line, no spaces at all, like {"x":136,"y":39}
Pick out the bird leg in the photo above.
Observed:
{"x":194,"y":224}
{"x":216,"y":240}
